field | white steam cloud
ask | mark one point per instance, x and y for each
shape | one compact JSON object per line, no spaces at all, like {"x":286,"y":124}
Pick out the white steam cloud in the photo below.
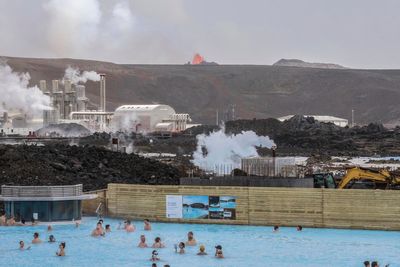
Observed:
{"x":218,"y":148}
{"x":16,"y":95}
{"x":76,"y":76}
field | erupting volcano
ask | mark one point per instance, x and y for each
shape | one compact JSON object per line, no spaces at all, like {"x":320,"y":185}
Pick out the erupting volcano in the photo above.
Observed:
{"x":197,"y":59}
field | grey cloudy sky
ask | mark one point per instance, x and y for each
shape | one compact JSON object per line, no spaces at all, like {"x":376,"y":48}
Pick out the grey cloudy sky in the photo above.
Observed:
{"x":354,"y":33}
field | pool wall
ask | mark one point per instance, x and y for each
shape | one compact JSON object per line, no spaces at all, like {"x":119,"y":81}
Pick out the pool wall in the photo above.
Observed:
{"x":310,"y":207}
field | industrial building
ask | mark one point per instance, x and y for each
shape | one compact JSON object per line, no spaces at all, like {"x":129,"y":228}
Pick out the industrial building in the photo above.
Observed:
{"x":322,"y":118}
{"x":149,"y":118}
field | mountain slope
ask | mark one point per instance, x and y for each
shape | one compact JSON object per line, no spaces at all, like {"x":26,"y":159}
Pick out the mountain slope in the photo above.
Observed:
{"x":256,"y":91}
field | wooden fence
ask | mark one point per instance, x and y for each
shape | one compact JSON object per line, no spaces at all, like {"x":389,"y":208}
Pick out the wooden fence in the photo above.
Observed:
{"x":309,"y":207}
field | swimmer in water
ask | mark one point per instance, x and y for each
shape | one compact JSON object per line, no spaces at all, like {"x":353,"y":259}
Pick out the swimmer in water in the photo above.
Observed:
{"x":22,"y":245}
{"x":191,"y":241}
{"x":129,"y":227}
{"x":142,"y":243}
{"x":276,"y":229}
{"x":367,"y":264}
{"x":147,"y":225}
{"x":154,"y":265}
{"x":202,"y":251}
{"x":154,"y":256}
{"x":98,"y":231}
{"x":181,"y":248}
{"x":49,"y":228}
{"x":158,"y":243}
{"x":33,"y":222}
{"x":218,"y":252}
{"x":52,"y":239}
{"x":3,"y":219}
{"x":299,"y":228}
{"x":36,"y":239}
{"x":108,"y":228}
{"x":61,"y":250}
{"x":77,"y":224}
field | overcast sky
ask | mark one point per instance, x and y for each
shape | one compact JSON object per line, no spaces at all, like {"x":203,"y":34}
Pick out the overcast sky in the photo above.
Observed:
{"x":353,"y":33}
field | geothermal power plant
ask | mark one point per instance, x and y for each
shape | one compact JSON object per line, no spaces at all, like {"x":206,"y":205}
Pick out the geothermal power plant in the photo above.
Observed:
{"x":69,"y":104}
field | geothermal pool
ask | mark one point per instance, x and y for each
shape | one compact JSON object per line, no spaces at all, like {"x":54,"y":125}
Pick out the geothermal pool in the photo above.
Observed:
{"x":242,"y":245}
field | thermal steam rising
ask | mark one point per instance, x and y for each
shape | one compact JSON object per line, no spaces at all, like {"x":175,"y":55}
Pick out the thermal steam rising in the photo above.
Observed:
{"x":76,"y":76}
{"x":223,"y":149}
{"x":16,"y":95}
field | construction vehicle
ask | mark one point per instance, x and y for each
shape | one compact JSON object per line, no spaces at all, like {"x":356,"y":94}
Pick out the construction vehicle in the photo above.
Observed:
{"x":324,"y":180}
{"x":370,"y":178}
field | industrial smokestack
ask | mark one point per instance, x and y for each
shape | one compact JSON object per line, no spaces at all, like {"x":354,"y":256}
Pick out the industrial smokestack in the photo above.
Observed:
{"x":102,"y":92}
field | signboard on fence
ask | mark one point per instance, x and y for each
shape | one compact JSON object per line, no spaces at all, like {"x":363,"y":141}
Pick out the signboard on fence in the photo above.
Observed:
{"x":201,"y":207}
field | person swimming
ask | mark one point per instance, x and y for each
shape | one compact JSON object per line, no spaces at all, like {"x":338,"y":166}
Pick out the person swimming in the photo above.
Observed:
{"x":202,"y":250}
{"x":367,"y":264}
{"x":147,"y":225}
{"x":218,"y":252}
{"x":3,"y":219}
{"x":108,"y":228}
{"x":142,"y":243}
{"x":299,"y":228}
{"x":22,"y":245}
{"x":61,"y":250}
{"x":129,"y":227}
{"x":49,"y":228}
{"x":154,"y":256}
{"x":276,"y":229}
{"x":154,"y":265}
{"x":181,"y":248}
{"x":11,"y":221}
{"x":36,"y":239}
{"x":158,"y":243}
{"x":98,"y":231}
{"x":52,"y":239}
{"x":191,"y":241}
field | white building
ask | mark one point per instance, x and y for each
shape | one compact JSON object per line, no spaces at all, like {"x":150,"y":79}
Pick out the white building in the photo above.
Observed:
{"x":148,"y":118}
{"x":327,"y":119}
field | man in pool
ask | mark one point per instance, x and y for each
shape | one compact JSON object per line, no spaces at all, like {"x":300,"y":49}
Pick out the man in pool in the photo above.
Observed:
{"x":191,"y":241}
{"x":52,"y":239}
{"x":11,"y":221}
{"x":22,"y":245}
{"x":276,"y":229}
{"x":108,"y":228}
{"x":61,"y":251}
{"x":147,"y":225}
{"x":202,"y":251}
{"x":36,"y":239}
{"x":367,"y":264}
{"x":142,"y":243}
{"x":181,"y":248}
{"x":49,"y":228}
{"x":218,"y":252}
{"x":98,"y":231}
{"x":299,"y":228}
{"x":158,"y":243}
{"x":154,"y":265}
{"x":129,"y":227}
{"x":3,"y":219}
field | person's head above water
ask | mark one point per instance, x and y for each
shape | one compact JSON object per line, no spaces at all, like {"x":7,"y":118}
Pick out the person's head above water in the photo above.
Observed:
{"x":202,"y":248}
{"x":143,"y":238}
{"x":367,"y":264}
{"x":374,"y":264}
{"x":36,"y":235}
{"x":62,"y":244}
{"x":154,"y":265}
{"x":21,"y":244}
{"x":52,"y":238}
{"x":128,"y":222}
{"x":299,"y":227}
{"x":157,"y":239}
{"x":276,"y":228}
{"x":181,"y":245}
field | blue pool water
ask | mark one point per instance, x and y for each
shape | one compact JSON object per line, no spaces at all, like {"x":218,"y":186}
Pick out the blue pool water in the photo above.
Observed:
{"x":243,"y":246}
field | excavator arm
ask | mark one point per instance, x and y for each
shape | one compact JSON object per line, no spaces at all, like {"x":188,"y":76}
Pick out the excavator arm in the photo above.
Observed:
{"x":357,"y":173}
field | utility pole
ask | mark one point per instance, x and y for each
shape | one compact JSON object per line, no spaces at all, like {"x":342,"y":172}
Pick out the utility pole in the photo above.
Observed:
{"x":352,"y":118}
{"x":217,"y":119}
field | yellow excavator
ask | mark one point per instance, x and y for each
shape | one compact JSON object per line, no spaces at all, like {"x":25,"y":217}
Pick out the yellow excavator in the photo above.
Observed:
{"x":382,"y":178}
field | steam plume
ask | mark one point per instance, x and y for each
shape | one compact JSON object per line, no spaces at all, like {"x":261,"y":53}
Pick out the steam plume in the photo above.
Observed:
{"x":16,"y":95}
{"x":219,"y":148}
{"x":76,"y":76}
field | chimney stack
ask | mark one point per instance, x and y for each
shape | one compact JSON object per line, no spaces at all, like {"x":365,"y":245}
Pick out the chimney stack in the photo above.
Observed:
{"x":102,"y":92}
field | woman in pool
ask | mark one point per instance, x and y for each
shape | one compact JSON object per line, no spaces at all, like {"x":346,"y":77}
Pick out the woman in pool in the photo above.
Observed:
{"x":36,"y":239}
{"x":181,"y":248}
{"x":202,"y":251}
{"x":147,"y":225}
{"x":154,"y":256}
{"x":61,"y":251}
{"x":191,"y":241}
{"x":218,"y":252}
{"x":158,"y":243}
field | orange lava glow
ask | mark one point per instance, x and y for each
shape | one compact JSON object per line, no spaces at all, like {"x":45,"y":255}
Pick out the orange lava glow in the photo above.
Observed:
{"x":197,"y":59}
